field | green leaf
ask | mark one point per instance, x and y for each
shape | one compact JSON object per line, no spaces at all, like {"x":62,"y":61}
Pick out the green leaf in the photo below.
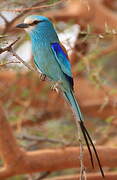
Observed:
{"x":109,"y":119}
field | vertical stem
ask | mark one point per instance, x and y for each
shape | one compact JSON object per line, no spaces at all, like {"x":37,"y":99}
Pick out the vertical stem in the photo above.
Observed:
{"x":81,"y":157}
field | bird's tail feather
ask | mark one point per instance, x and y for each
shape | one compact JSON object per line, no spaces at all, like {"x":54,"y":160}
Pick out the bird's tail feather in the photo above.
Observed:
{"x":76,"y":110}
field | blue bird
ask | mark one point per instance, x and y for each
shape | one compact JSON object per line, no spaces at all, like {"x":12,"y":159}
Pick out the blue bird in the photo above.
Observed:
{"x":52,"y":61}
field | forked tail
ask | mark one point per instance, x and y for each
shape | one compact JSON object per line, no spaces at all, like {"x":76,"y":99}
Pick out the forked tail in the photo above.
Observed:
{"x":76,"y":110}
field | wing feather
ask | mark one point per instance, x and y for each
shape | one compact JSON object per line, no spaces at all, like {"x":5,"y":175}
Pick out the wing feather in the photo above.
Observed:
{"x":62,"y":58}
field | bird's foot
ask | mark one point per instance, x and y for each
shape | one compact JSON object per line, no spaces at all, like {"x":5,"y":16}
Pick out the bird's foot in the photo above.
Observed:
{"x":56,"y":86}
{"x":42,"y":77}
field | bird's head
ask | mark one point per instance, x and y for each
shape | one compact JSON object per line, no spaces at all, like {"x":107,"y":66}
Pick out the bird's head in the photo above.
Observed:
{"x":34,"y":22}
{"x":39,"y":28}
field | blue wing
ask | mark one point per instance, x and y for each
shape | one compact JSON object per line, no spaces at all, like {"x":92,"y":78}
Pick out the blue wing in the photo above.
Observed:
{"x":63,"y":61}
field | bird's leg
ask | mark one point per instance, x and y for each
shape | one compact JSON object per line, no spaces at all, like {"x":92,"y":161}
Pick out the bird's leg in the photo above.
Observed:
{"x":42,"y":77}
{"x":56,"y":86}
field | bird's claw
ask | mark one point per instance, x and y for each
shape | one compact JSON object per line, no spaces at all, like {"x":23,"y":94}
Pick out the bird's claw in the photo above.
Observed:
{"x":56,"y":86}
{"x":42,"y":77}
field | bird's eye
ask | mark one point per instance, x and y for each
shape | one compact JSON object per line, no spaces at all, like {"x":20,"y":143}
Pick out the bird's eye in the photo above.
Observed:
{"x":34,"y":23}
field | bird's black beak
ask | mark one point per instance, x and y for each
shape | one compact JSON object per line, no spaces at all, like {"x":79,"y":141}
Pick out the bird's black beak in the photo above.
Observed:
{"x":22,"y":25}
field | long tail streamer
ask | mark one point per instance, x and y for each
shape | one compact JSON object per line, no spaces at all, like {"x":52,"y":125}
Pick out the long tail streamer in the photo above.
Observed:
{"x":76,"y":109}
{"x":87,"y":140}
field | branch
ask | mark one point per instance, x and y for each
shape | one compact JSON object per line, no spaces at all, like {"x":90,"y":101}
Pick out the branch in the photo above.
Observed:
{"x":41,"y":139}
{"x":18,"y":161}
{"x":91,"y":176}
{"x":35,"y":7}
{"x":3,"y":17}
{"x":9,"y":25}
{"x":84,"y":12}
{"x":7,"y":63}
{"x":40,"y":120}
{"x":22,"y":61}
{"x":10,"y":49}
{"x":9,"y":149}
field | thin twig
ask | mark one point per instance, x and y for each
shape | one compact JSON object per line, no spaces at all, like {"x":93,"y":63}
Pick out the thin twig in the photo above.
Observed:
{"x":11,"y":62}
{"x":10,"y":23}
{"x":36,"y":7}
{"x":41,"y":139}
{"x":3,"y":17}
{"x":21,"y":60}
{"x":10,"y":49}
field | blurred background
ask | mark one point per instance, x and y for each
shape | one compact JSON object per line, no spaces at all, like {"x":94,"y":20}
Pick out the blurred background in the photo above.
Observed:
{"x":39,"y":117}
